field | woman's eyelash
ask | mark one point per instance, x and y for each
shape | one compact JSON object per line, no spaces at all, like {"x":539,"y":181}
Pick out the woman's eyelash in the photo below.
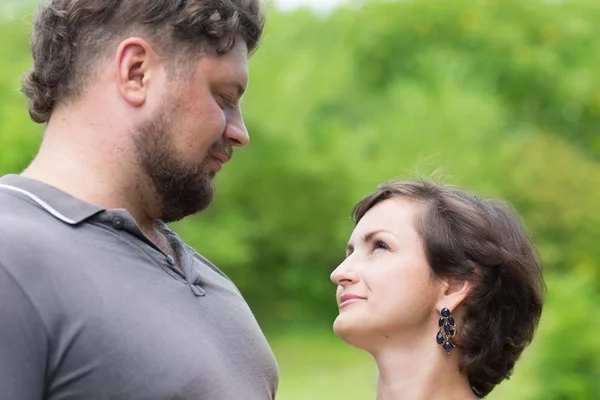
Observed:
{"x":379,"y":244}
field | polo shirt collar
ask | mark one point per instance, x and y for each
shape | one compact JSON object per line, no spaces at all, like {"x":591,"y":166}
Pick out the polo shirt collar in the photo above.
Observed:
{"x":59,"y":204}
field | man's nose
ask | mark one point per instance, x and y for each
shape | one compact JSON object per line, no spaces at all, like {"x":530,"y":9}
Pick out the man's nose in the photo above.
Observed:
{"x":236,"y":133}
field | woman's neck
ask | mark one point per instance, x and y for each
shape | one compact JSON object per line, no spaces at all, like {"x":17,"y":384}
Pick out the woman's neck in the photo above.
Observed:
{"x":420,"y":371}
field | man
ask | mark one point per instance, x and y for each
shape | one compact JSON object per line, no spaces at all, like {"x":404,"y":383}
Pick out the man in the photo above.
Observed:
{"x":98,"y":298}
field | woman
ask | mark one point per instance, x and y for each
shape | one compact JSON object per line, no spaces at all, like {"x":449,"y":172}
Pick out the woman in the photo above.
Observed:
{"x":444,"y":289}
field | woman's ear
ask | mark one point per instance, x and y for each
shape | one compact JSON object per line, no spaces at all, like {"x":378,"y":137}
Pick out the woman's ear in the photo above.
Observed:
{"x":453,"y":294}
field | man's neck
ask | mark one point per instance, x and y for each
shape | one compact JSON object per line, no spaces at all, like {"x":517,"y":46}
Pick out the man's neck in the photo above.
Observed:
{"x":98,"y":187}
{"x":100,"y":172}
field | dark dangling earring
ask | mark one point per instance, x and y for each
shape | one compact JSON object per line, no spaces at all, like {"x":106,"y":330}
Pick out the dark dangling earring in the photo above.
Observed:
{"x":447,"y":331}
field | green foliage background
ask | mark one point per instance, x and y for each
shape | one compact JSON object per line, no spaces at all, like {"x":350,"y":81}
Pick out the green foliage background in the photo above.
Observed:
{"x":502,"y":96}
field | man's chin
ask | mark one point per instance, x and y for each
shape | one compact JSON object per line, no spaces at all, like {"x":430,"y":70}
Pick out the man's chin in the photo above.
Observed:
{"x":177,"y":210}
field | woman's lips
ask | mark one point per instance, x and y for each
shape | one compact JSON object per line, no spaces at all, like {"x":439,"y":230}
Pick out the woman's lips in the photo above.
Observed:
{"x":348,"y":299}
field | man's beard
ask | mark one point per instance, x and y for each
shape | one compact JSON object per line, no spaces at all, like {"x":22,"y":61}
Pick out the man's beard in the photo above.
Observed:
{"x":182,"y":188}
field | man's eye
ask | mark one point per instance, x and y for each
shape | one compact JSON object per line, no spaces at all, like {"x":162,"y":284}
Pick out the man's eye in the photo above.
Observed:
{"x":228,"y":103}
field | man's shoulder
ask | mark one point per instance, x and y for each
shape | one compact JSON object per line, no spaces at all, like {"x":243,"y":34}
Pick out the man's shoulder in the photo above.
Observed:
{"x":19,"y":217}
{"x":26,"y":233}
{"x":14,"y":207}
{"x":206,"y":262}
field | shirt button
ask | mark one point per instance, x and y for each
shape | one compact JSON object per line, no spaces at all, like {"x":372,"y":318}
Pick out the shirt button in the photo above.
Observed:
{"x":118,"y":222}
{"x":170,"y":260}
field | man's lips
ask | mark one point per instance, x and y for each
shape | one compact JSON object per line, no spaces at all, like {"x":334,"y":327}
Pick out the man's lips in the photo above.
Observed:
{"x":348,"y":299}
{"x":220,"y":157}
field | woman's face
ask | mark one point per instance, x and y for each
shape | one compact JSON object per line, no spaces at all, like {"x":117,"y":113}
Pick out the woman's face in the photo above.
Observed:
{"x":386,"y":290}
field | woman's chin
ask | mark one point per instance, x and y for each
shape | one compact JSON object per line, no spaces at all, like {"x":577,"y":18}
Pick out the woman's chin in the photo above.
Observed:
{"x":350,"y":330}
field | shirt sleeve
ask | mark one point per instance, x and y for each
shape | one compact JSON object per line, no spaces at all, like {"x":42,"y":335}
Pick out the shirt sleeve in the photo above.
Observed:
{"x":23,"y":343}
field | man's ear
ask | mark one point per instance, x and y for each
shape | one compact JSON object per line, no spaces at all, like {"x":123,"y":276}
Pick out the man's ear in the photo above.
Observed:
{"x":137,"y":65}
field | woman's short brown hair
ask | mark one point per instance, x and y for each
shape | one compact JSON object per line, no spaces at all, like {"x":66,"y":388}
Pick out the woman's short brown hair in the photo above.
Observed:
{"x":481,"y":240}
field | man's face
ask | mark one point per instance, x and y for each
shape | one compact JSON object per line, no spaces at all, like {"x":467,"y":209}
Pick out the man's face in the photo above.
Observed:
{"x":193,"y":132}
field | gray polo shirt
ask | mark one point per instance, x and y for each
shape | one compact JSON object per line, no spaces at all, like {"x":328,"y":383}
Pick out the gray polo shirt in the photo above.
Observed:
{"x":91,"y":309}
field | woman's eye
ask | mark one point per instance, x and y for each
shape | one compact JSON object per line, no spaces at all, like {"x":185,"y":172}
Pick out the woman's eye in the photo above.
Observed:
{"x":380,"y":245}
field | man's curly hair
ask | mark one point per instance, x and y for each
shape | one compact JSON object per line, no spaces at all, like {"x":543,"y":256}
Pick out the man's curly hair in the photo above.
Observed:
{"x":71,"y":36}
